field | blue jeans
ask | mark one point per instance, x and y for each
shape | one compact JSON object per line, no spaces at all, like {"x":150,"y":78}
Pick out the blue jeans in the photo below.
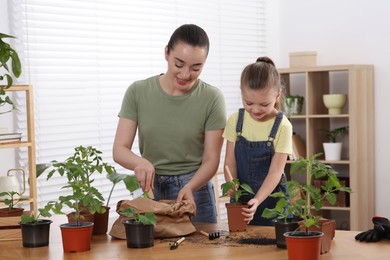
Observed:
{"x":168,"y":187}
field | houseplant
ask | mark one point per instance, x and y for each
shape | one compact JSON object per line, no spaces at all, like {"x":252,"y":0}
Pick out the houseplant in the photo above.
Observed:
{"x":139,"y":228}
{"x":11,"y":198}
{"x":311,"y":201}
{"x":36,"y":231}
{"x":293,"y":105}
{"x":8,"y":53}
{"x":78,"y":170}
{"x":234,"y":188}
{"x":286,"y":212}
{"x":332,"y":148}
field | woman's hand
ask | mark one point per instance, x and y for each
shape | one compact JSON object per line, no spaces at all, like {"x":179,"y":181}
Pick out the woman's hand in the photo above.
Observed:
{"x":145,"y":174}
{"x":186,"y":193}
{"x":251,"y":210}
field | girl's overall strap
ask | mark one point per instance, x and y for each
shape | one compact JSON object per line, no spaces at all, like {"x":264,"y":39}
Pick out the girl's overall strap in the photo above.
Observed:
{"x":240,"y":121}
{"x":275,"y":127}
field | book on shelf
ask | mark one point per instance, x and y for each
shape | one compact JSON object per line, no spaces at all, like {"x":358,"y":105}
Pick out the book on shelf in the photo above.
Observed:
{"x":299,"y":148}
{"x":10,"y":137}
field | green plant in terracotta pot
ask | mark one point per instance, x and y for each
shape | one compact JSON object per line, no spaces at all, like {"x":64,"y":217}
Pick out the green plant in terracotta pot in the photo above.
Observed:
{"x":35,"y":230}
{"x":78,"y":170}
{"x":312,"y":200}
{"x":11,"y":199}
{"x":235,"y":189}
{"x":286,"y":212}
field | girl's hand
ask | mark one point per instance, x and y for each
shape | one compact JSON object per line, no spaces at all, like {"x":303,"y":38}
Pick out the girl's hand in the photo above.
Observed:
{"x":186,"y":193}
{"x":251,"y":210}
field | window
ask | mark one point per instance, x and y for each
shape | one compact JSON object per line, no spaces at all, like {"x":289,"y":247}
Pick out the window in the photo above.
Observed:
{"x":81,"y":55}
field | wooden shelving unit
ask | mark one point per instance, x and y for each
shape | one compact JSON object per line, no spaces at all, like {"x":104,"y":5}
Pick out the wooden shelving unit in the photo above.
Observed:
{"x":28,"y":142}
{"x":357,"y":163}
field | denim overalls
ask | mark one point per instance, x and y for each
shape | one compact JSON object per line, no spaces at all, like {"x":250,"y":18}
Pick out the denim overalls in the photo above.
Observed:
{"x":253,"y":161}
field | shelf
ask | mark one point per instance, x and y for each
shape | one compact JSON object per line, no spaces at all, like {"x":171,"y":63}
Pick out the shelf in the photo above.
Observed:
{"x":357,"y":164}
{"x":29,"y":144}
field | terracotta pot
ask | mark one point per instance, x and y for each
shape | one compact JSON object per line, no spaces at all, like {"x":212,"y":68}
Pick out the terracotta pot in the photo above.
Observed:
{"x":328,"y":227}
{"x":303,"y":247}
{"x":138,"y":235}
{"x":15,"y":212}
{"x":76,"y":238}
{"x":36,"y":234}
{"x":235,"y":218}
{"x":100,"y":221}
{"x":281,"y":227}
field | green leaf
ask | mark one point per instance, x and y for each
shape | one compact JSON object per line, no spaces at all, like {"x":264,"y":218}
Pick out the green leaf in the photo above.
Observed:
{"x":16,"y":65}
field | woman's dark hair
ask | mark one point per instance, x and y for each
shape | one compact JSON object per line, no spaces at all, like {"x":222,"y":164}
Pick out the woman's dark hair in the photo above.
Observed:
{"x":190,"y":34}
{"x":262,"y":74}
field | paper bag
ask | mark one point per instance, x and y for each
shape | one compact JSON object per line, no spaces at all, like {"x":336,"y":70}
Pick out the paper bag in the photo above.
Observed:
{"x":173,"y":219}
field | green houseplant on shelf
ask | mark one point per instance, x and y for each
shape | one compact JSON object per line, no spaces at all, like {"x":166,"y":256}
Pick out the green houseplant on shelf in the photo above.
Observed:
{"x":332,"y":148}
{"x":84,"y":199}
{"x":235,"y":189}
{"x":311,"y":201}
{"x":7,"y":53}
{"x":35,"y":230}
{"x":10,"y":199}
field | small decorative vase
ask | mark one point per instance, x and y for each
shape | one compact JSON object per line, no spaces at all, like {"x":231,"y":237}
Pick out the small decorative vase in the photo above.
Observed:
{"x":334,"y":103}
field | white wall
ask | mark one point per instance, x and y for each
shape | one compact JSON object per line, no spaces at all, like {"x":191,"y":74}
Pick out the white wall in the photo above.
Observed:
{"x":346,"y":32}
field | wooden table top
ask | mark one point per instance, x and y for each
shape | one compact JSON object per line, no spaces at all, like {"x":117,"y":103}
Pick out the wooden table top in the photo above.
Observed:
{"x":195,"y":246}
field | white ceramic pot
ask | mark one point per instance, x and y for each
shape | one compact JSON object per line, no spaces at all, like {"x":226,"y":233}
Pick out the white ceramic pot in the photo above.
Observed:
{"x":332,"y":151}
{"x":12,"y":183}
{"x":334,"y":103}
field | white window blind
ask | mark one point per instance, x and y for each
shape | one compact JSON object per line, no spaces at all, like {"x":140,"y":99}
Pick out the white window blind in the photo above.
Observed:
{"x":81,"y":55}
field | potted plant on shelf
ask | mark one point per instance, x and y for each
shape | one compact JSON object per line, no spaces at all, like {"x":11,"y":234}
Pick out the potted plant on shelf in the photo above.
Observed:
{"x":234,"y":210}
{"x":7,"y":53}
{"x":293,"y":105}
{"x":312,"y":200}
{"x":36,"y":231}
{"x":286,"y":212}
{"x":78,"y":170}
{"x":332,"y":148}
{"x":139,"y":228}
{"x":10,"y":199}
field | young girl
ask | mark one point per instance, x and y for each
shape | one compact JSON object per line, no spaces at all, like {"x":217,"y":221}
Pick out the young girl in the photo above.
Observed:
{"x":259,"y":139}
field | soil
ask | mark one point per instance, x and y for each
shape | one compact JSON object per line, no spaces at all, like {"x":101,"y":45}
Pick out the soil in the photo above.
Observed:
{"x":229,"y":239}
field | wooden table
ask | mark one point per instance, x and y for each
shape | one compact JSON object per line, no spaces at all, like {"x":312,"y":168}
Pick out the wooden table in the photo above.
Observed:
{"x":195,"y":246}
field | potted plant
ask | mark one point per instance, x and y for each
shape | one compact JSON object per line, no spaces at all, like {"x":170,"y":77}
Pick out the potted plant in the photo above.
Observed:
{"x":11,"y":198}
{"x":139,"y":228}
{"x":8,"y":53}
{"x":293,"y":105}
{"x":78,"y":170}
{"x":36,"y":231}
{"x":101,"y":219}
{"x":234,"y":210}
{"x":311,"y":201}
{"x":332,"y":148}
{"x":286,"y":212}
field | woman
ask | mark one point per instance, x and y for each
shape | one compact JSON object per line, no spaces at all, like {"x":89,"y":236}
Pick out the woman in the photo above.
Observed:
{"x":180,"y":120}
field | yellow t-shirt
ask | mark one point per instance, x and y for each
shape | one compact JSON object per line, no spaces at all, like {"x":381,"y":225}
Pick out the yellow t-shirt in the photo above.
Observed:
{"x":259,"y":131}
